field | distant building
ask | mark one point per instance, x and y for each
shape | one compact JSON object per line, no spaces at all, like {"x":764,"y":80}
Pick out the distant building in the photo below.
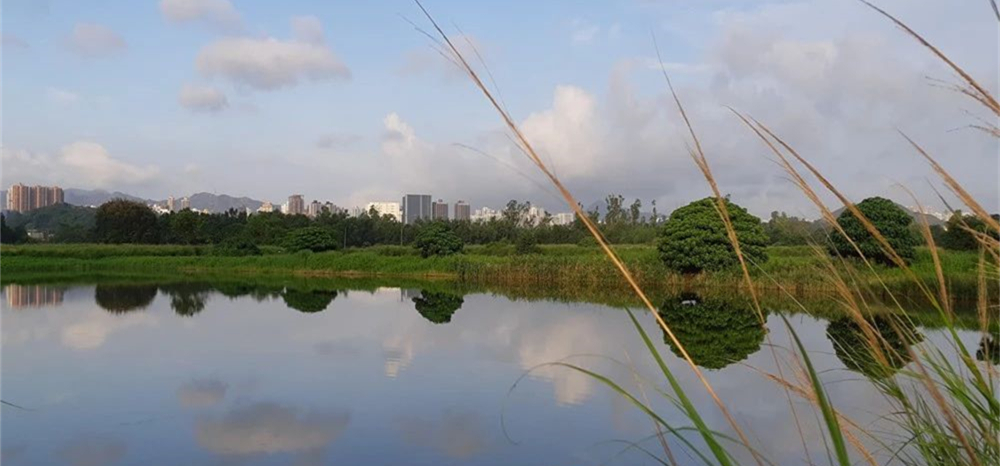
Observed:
{"x":462,"y":211}
{"x":386,"y":208}
{"x":439,"y":210}
{"x":563,"y":218}
{"x":333,"y":208}
{"x":185,"y":203}
{"x":266,"y":207}
{"x":170,"y":204}
{"x":315,"y":208}
{"x":296,"y":205}
{"x":485,"y":214}
{"x":535,"y":215}
{"x":21,"y":198}
{"x":416,"y":207}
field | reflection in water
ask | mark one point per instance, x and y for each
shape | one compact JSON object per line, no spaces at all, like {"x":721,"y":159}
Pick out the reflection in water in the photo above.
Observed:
{"x":308,"y":301}
{"x":187,"y":299}
{"x":857,"y":350}
{"x":19,"y":296}
{"x":119,"y":299}
{"x":202,"y":393}
{"x":86,"y":451}
{"x":989,"y":348}
{"x":715,"y":333}
{"x":437,"y":307}
{"x":458,"y":434}
{"x":267,"y":428}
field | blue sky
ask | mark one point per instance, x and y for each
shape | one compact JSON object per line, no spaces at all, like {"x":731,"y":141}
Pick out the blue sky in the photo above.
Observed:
{"x":172,"y":97}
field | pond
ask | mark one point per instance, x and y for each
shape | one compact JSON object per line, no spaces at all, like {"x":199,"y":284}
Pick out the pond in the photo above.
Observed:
{"x":198,"y":373}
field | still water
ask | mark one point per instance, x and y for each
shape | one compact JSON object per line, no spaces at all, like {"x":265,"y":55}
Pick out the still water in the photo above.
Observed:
{"x":192,"y":374}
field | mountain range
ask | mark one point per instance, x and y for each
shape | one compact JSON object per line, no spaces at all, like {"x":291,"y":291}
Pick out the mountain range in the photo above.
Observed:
{"x":200,"y":201}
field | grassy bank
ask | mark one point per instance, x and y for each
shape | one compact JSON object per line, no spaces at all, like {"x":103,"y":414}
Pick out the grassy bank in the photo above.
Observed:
{"x":796,"y":268}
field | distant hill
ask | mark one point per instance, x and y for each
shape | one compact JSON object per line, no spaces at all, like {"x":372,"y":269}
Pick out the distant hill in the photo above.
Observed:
{"x":200,"y":201}
{"x":95,"y":197}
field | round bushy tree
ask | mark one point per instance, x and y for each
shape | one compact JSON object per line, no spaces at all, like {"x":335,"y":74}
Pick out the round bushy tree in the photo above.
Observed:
{"x":694,"y":239}
{"x":891,"y":221}
{"x":315,"y":239}
{"x":308,"y":301}
{"x":119,"y":299}
{"x":715,"y":333}
{"x":436,"y":239}
{"x":123,"y":221}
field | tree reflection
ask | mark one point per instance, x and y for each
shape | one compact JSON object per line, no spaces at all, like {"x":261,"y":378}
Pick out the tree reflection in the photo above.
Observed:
{"x":436,"y":306}
{"x":308,"y":301}
{"x":877,"y":354}
{"x":989,"y":348}
{"x":119,"y":299}
{"x":187,"y":299}
{"x":714,"y":332}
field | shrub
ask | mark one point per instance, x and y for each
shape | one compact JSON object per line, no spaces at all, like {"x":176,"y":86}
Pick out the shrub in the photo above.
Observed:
{"x":854,"y":348}
{"x":694,"y":239}
{"x":891,"y":221}
{"x":437,"y":307}
{"x":315,"y":239}
{"x":526,"y":243}
{"x":436,"y":239}
{"x":957,"y":236}
{"x":714,"y":333}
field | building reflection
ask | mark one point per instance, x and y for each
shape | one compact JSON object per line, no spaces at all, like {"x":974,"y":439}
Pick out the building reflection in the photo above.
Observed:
{"x":23,"y":296}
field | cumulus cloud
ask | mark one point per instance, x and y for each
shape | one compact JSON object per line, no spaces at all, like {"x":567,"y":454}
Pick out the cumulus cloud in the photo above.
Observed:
{"x":267,"y":428}
{"x":269,"y":63}
{"x":83,"y":164}
{"x":93,"y":40}
{"x":202,"y":98}
{"x":202,"y":393}
{"x":219,"y":13}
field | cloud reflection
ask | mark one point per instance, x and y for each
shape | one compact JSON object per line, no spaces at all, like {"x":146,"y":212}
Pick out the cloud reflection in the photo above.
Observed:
{"x":268,"y":428}
{"x":86,"y":451}
{"x":202,"y":393}
{"x":457,"y":434}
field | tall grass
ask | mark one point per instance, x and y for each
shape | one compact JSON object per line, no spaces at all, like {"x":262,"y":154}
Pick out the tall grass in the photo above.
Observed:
{"x":945,"y":411}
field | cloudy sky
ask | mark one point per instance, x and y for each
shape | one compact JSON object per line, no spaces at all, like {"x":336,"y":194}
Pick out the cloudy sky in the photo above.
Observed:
{"x":346,"y":101}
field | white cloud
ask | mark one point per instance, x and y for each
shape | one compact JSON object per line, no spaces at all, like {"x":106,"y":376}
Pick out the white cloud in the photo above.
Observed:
{"x":584,"y":32}
{"x":82,"y":164}
{"x":95,"y":41}
{"x":97,"y":326}
{"x":216,"y":12}
{"x":308,"y":29}
{"x":269,"y":63}
{"x":569,"y":133}
{"x":267,"y":428}
{"x":202,"y":98}
{"x":61,"y":96}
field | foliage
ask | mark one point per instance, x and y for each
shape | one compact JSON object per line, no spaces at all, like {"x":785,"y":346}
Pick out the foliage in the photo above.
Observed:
{"x":891,"y":221}
{"x":436,"y":306}
{"x":315,"y":239}
{"x":187,"y":299}
{"x":882,"y":359}
{"x":236,"y":246}
{"x":10,"y":235}
{"x":437,"y":239}
{"x":715,"y":333}
{"x":783,"y":230}
{"x":123,"y":221}
{"x":309,"y":301}
{"x":526,"y":243}
{"x":694,"y":239}
{"x":119,"y":299}
{"x":957,"y":235}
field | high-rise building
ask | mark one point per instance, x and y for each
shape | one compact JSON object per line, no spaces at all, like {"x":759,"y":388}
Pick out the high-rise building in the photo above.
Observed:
{"x":439,"y":210}
{"x":385,"y":208}
{"x":315,"y":207}
{"x":296,"y":205}
{"x":462,"y":211}
{"x":266,"y":207}
{"x":185,"y":203}
{"x":563,"y":218}
{"x":19,"y":296}
{"x":485,"y":214}
{"x":416,"y":207}
{"x":21,"y":198}
{"x":170,"y":204}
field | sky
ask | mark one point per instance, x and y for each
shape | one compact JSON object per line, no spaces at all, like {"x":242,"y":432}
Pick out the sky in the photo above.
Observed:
{"x":349,"y":102}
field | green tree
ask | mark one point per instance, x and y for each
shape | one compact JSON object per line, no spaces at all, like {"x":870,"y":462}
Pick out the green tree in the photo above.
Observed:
{"x":694,"y":239}
{"x":957,"y":234}
{"x":715,"y":333}
{"x":187,"y":299}
{"x":310,"y":301}
{"x":877,"y":359}
{"x":437,"y":239}
{"x":526,"y":242}
{"x":315,"y":239}
{"x":635,"y":212}
{"x":237,"y":245}
{"x":437,"y":307}
{"x":185,"y":227}
{"x":891,"y":221}
{"x":783,"y":230}
{"x":614,"y":212}
{"x":10,"y":235}
{"x":123,"y":221}
{"x":119,"y":299}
